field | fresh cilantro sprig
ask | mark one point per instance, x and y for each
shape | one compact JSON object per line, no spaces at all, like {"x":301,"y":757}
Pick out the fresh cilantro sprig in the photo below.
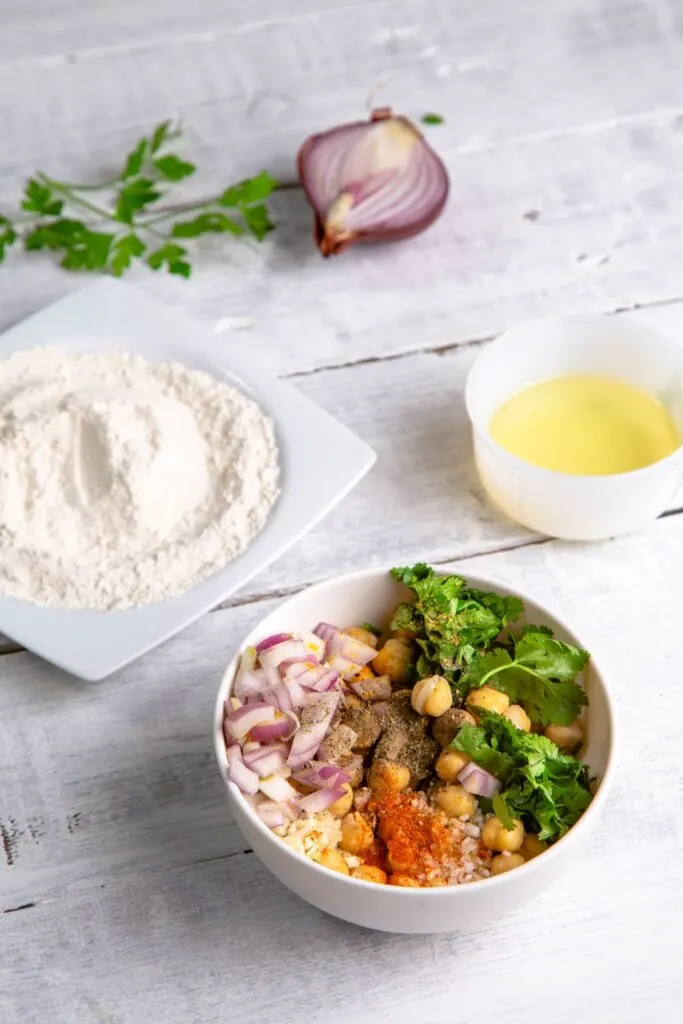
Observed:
{"x":547,"y":789}
{"x":129,"y":224}
{"x":539,"y":674}
{"x":452,"y":621}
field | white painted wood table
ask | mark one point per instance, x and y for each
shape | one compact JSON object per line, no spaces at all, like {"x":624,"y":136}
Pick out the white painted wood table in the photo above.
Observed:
{"x":127,"y":894}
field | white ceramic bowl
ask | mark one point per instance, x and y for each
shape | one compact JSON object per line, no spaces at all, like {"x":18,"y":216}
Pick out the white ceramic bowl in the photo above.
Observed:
{"x":559,"y":504}
{"x":370,"y":596}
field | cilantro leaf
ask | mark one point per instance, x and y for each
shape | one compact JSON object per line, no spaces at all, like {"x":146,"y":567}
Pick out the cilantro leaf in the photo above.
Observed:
{"x":484,"y":749}
{"x":135,"y":196}
{"x":213,"y":221}
{"x":135,"y":160}
{"x":39,"y":198}
{"x":502,"y":811}
{"x":456,"y":622}
{"x":124,"y":251}
{"x":173,"y":168}
{"x":432,"y":119}
{"x":8,"y":236}
{"x":407,"y":617}
{"x":540,"y":676}
{"x":170,"y":256}
{"x":372,"y":629}
{"x":548,"y":790}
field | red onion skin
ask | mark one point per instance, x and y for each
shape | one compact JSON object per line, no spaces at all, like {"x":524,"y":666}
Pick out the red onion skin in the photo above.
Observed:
{"x":332,"y":246}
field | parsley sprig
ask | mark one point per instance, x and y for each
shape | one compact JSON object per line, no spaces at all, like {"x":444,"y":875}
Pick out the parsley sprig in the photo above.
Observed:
{"x":129,"y":224}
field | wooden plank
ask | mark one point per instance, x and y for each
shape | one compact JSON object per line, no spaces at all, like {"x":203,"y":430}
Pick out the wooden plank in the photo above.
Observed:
{"x":134,"y":893}
{"x":596,"y":153}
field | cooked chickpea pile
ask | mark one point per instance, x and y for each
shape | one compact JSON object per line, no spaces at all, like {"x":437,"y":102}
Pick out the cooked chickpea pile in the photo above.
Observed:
{"x":394,"y":738}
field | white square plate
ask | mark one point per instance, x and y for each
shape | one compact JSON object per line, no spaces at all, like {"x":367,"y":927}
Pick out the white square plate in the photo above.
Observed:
{"x":111,"y":316}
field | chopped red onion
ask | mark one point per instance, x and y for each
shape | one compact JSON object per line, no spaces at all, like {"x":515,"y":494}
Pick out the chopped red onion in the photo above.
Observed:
{"x":282,"y":727}
{"x":248,"y":659}
{"x":316,"y":716}
{"x":270,"y":641}
{"x":330,"y":634}
{"x":243,"y":777}
{"x":249,"y":683}
{"x":320,"y":800}
{"x":239,"y":723}
{"x":271,"y":813}
{"x":355,"y":651}
{"x":277,"y":788}
{"x":348,"y":670}
{"x":266,"y":762}
{"x":323,"y":776}
{"x":478,"y":781}
{"x":297,"y":694}
{"x":374,"y":180}
{"x":288,"y":650}
{"x":314,"y":644}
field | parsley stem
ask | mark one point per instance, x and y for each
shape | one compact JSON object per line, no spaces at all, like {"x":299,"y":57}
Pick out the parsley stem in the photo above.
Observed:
{"x":66,"y":191}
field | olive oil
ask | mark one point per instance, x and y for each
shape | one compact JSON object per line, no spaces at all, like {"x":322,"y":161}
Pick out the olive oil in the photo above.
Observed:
{"x":584,"y":424}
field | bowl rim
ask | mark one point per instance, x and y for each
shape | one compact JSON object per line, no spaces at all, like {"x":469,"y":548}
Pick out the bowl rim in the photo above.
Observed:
{"x":236,"y":796}
{"x":541,"y":472}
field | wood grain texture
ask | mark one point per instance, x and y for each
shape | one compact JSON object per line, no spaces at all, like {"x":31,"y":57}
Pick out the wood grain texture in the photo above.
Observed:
{"x":145,"y":903}
{"x":596,"y":153}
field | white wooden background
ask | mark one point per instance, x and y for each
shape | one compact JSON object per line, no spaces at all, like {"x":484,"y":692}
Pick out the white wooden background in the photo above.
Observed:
{"x":126,"y":893}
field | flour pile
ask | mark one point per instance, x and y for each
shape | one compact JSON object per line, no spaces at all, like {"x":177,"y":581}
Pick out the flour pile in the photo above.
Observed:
{"x":124,"y":482}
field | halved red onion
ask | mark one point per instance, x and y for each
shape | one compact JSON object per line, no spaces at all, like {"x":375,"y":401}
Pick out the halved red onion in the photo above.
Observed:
{"x":282,"y":727}
{"x":278,"y":789}
{"x":243,"y":777}
{"x":320,"y":800}
{"x":355,"y":651}
{"x":323,"y":776}
{"x":478,"y":781}
{"x":374,"y":180}
{"x":249,"y":683}
{"x":271,"y":641}
{"x":425,"y":690}
{"x":287,"y":650}
{"x":315,"y":719}
{"x":239,"y":723}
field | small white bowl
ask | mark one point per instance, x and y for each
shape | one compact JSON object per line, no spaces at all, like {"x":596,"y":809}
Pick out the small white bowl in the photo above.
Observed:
{"x":370,"y":596}
{"x":559,"y":504}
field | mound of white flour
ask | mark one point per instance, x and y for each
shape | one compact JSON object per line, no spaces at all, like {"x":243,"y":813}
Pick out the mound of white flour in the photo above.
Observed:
{"x":123,"y":482}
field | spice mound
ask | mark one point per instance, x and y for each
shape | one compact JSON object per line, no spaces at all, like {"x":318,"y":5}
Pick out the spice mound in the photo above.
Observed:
{"x":122,"y":482}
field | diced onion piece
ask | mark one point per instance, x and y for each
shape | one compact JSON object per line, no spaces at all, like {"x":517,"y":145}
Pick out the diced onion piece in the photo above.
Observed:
{"x":330,"y":634}
{"x":249,"y":683}
{"x":355,"y":651}
{"x":239,"y":723}
{"x":271,"y":813}
{"x":315,"y":719}
{"x":320,"y":800}
{"x":288,"y":650}
{"x":478,"y":781}
{"x":271,"y":641}
{"x":314,"y":644}
{"x":348,"y":670}
{"x":266,"y":761}
{"x":243,"y":777}
{"x":282,"y":727}
{"x":323,"y":776}
{"x":248,"y":659}
{"x":278,"y":789}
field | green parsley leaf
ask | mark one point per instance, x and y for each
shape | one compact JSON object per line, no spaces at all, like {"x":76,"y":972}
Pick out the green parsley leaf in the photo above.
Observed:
{"x":548,"y":790}
{"x":58,"y":235}
{"x":502,"y":811}
{"x":135,"y":160}
{"x":540,"y":677}
{"x":170,"y":256}
{"x":173,"y":168}
{"x":39,"y":198}
{"x":432,"y":119}
{"x":252,"y":190}
{"x":8,"y":236}
{"x":258,"y":220}
{"x":124,"y":251}
{"x":213,"y":222}
{"x":83,"y":248}
{"x":135,"y":196}
{"x":455,"y":621}
{"x":161,"y":134}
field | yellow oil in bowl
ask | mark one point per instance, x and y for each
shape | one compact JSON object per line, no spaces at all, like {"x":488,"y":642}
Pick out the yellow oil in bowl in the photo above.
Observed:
{"x":583,"y":424}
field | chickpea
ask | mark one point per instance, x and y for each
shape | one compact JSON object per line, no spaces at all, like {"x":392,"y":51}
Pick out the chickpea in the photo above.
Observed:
{"x":456,"y":802}
{"x":501,"y":864}
{"x":344,"y":804}
{"x":368,"y":873}
{"x":532,"y":846}
{"x":363,"y":636}
{"x":497,"y":837}
{"x":394,"y":660}
{"x":405,"y":880}
{"x":450,"y":763}
{"x":439,"y":700}
{"x":567,"y":737}
{"x":333,"y":860}
{"x":356,"y":833}
{"x":489,"y":699}
{"x":388,"y":776}
{"x":518,"y":716}
{"x":447,"y":726}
